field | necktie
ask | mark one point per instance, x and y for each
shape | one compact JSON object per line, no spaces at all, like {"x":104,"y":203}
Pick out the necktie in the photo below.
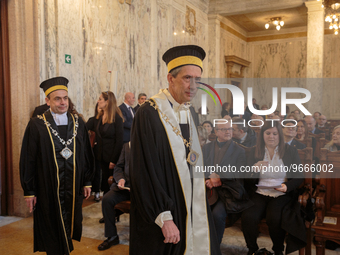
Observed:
{"x":131,"y":112}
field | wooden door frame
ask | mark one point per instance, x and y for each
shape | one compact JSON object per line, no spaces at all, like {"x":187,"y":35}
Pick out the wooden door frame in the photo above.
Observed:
{"x":6,"y":166}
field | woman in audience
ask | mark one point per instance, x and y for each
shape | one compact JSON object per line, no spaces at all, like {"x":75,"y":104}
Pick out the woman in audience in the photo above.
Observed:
{"x":303,"y":134}
{"x":272,"y":192}
{"x":334,"y":145}
{"x":208,"y":126}
{"x":97,"y":174}
{"x":202,"y":135}
{"x":108,"y":127}
{"x":225,"y":109}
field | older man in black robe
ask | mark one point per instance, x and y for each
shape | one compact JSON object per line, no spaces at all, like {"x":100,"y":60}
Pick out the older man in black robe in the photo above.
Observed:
{"x":169,"y":212}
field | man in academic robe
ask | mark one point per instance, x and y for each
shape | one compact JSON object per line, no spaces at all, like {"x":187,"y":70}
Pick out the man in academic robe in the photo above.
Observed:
{"x":128,"y":113}
{"x":169,"y":212}
{"x":56,"y":169}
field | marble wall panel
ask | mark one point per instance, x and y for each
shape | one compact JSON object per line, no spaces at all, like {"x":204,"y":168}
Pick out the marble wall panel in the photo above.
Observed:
{"x":105,"y":35}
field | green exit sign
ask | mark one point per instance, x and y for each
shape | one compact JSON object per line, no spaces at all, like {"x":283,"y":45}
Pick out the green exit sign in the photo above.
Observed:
{"x":67,"y":59}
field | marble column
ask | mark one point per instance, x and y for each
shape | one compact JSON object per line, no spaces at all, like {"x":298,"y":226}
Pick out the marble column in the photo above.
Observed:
{"x":24,"y":71}
{"x":315,"y":46}
{"x":214,"y":58}
{"x":214,"y":45}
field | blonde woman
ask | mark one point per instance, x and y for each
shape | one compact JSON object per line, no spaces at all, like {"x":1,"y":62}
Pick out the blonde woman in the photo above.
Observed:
{"x":334,"y":145}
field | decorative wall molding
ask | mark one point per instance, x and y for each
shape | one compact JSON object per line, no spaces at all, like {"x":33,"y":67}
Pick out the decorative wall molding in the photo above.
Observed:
{"x":190,"y":21}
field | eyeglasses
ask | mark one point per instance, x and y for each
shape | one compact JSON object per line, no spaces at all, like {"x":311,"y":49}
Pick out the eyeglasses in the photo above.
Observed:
{"x":224,"y":129}
{"x":106,"y":92}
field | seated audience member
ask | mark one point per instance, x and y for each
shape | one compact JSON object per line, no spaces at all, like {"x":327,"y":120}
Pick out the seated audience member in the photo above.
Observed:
{"x":334,"y":145}
{"x":141,"y":100}
{"x":226,"y":193}
{"x":270,"y":116}
{"x":297,"y":114}
{"x":246,"y":115}
{"x":256,"y":120}
{"x":225,"y":109}
{"x":291,"y":116}
{"x":264,"y":107}
{"x":322,"y":122}
{"x":276,"y":112}
{"x":242,"y":134}
{"x":208,"y":126}
{"x":311,"y":125}
{"x":289,"y":133}
{"x":316,"y":115}
{"x":255,"y":105}
{"x":302,"y":133}
{"x":276,"y":117}
{"x":272,"y":192}
{"x":202,"y":135}
{"x":116,"y":195}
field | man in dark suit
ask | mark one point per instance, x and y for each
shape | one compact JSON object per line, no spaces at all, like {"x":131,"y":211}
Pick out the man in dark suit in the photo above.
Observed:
{"x":226,"y":187}
{"x":242,"y":134}
{"x":256,"y":106}
{"x":289,"y":133}
{"x":141,"y":100}
{"x":128,"y":113}
{"x":311,"y":125}
{"x":322,"y":122}
{"x":116,"y":195}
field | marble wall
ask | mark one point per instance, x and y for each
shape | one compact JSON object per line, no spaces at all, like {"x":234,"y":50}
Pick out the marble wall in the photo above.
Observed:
{"x":114,"y":46}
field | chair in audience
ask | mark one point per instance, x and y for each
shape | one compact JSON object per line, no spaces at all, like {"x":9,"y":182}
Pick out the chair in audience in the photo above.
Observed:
{"x":307,"y":142}
{"x":318,"y":143}
{"x":327,"y":201}
{"x":327,"y":132}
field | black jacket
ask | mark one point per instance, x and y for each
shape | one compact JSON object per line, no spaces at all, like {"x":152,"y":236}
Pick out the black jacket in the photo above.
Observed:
{"x":128,"y":119}
{"x":232,"y":191}
{"x":250,"y":140}
{"x":298,"y":145}
{"x":318,"y":131}
{"x":109,"y":138}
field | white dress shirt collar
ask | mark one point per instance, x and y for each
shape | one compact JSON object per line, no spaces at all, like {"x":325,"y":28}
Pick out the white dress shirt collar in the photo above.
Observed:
{"x":60,"y":119}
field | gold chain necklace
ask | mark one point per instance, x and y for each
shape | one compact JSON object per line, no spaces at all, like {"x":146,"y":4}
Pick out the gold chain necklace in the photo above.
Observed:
{"x":66,"y":152}
{"x":192,"y":156}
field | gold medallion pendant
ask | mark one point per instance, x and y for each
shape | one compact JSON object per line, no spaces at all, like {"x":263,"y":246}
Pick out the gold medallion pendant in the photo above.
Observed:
{"x":192,"y":157}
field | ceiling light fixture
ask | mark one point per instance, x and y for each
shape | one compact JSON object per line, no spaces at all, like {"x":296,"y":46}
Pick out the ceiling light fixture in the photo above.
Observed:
{"x":332,"y":14}
{"x":277,"y":22}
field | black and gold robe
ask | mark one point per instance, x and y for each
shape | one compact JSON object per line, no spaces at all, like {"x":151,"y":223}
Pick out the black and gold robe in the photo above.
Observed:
{"x":56,"y":182}
{"x":161,"y":181}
